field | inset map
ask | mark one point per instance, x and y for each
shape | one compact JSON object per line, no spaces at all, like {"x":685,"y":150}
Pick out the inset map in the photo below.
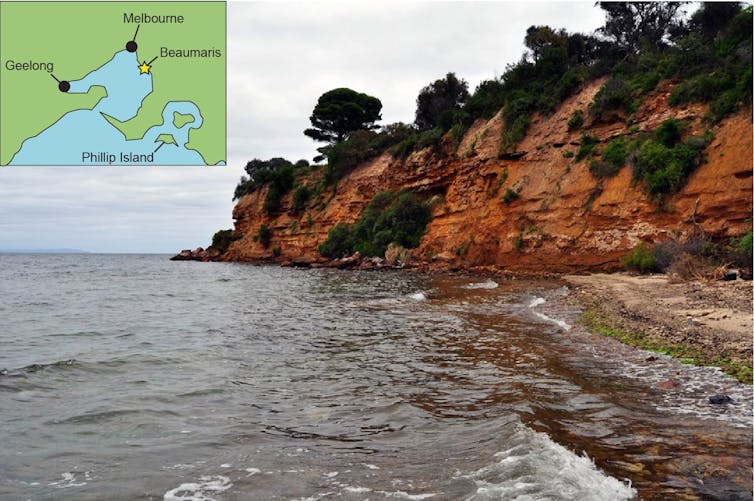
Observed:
{"x":112,"y":83}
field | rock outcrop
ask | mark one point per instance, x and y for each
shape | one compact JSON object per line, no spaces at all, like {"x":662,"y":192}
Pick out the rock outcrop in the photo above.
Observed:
{"x":564,"y":219}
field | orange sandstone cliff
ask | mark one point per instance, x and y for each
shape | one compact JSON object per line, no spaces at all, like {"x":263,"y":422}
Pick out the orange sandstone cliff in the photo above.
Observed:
{"x":564,"y":218}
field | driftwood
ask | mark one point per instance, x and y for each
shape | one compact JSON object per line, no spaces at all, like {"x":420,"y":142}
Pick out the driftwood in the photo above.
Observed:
{"x":692,"y":219}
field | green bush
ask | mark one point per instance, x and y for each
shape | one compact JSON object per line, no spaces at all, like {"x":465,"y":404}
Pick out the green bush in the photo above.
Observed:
{"x":517,"y":115}
{"x":600,"y":168}
{"x":389,"y":218}
{"x":431,"y":137}
{"x":418,"y":141}
{"x":640,"y":259}
{"x":615,"y":95}
{"x":222,"y":240}
{"x":615,"y":153}
{"x":723,"y":105}
{"x":745,"y":245}
{"x":277,"y":171}
{"x":588,"y":143}
{"x":338,"y":243}
{"x":300,"y":198}
{"x":664,"y":169}
{"x":487,"y":99}
{"x":281,"y":182}
{"x":509,"y":196}
{"x":646,"y":81}
{"x":264,"y":235}
{"x":457,"y":132}
{"x":344,"y":157}
{"x":669,"y":132}
{"x":576,"y":120}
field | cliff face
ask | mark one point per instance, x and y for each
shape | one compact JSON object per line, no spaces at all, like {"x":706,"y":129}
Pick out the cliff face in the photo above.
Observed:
{"x":564,"y":218}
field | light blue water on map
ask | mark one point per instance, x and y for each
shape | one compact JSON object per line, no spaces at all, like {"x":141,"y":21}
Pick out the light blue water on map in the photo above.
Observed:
{"x":87,"y":130}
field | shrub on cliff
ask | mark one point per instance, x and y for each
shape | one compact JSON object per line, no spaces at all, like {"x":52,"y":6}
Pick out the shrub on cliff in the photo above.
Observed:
{"x":418,"y":141}
{"x":280,"y":183}
{"x":338,"y":243}
{"x":745,"y":245}
{"x":264,"y":235}
{"x":346,"y":156}
{"x":615,"y":153}
{"x":222,"y":239}
{"x":389,"y":218}
{"x":663,"y":162}
{"x":300,"y":198}
{"x":279,"y":173}
{"x":615,"y":95}
{"x":586,"y":148}
{"x":612,"y":159}
{"x":363,"y":145}
{"x":640,"y":259}
{"x":576,"y":120}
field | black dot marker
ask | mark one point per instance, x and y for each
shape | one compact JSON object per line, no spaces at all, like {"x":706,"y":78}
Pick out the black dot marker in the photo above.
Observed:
{"x":64,"y":86}
{"x":131,"y":46}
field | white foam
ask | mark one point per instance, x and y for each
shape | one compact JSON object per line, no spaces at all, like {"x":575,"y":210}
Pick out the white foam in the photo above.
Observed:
{"x":358,"y":490}
{"x":418,"y":296}
{"x":199,"y":491}
{"x":489,"y":284}
{"x":252,"y":471}
{"x":406,"y":495}
{"x":536,"y":302}
{"x":69,"y":480}
{"x":555,"y":321}
{"x":535,"y":467}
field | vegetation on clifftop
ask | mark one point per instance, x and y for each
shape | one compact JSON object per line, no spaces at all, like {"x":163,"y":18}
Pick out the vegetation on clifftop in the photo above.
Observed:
{"x":709,"y":54}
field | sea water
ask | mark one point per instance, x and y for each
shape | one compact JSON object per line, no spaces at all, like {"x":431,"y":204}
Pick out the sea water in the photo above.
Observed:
{"x":132,"y":376}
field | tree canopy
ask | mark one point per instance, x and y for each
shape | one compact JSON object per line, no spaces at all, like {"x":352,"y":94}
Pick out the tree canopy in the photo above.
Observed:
{"x":438,"y":102}
{"x":341,"y":111}
{"x":630,"y":23}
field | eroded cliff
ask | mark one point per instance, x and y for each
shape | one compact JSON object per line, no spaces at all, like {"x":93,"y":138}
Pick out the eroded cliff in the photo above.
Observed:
{"x":564,"y":218}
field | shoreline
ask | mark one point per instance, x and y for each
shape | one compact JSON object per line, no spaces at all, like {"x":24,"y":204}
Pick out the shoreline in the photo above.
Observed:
{"x":705,"y":323}
{"x":699,"y":322}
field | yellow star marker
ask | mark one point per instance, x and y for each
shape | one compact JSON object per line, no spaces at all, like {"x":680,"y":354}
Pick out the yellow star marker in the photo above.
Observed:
{"x":144,"y":68}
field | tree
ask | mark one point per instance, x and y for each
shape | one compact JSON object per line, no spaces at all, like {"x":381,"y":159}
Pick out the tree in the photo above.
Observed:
{"x":439,"y":101}
{"x":630,"y":23}
{"x":538,"y":38}
{"x":341,"y":111}
{"x":713,"y":17}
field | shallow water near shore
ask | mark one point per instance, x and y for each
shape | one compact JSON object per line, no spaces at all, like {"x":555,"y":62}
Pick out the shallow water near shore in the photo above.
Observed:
{"x":133,"y":377}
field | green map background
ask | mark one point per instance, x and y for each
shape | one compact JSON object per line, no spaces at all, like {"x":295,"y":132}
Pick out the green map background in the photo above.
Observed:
{"x":79,"y":37}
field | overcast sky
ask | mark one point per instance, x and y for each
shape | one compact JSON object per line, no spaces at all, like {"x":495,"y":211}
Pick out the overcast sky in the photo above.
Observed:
{"x":281,"y":57}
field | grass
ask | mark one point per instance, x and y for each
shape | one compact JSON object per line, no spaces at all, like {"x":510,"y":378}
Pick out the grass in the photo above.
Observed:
{"x":597,"y":321}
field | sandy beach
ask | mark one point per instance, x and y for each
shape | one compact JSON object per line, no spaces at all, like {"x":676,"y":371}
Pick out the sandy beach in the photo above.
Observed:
{"x":707,"y":321}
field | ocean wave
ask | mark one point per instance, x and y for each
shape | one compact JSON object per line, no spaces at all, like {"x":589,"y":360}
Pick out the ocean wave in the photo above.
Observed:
{"x":560,"y":323}
{"x":535,"y":467}
{"x":32,"y":368}
{"x":537,"y":301}
{"x":199,"y":491}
